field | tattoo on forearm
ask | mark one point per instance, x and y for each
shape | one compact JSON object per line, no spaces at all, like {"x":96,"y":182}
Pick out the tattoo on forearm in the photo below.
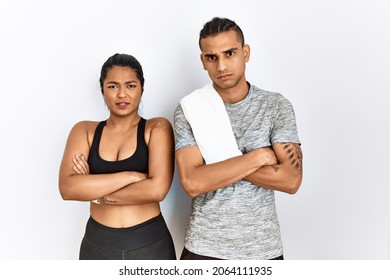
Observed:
{"x":294,"y":154}
{"x":275,"y":167}
{"x":106,"y":200}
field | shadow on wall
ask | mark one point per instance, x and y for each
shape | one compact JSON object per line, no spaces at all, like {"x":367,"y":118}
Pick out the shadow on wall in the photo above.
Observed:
{"x":177,"y":206}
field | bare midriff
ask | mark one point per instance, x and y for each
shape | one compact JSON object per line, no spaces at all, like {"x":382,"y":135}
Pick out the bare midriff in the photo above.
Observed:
{"x":122,"y":216}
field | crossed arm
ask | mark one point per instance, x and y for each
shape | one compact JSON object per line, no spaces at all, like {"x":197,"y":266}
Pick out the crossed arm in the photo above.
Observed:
{"x":286,"y":174}
{"x":122,"y":188}
{"x":279,"y":168}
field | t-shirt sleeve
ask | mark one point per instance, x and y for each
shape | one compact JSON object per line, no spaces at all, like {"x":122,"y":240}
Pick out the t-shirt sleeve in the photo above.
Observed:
{"x":184,"y":136}
{"x":284,"y":127}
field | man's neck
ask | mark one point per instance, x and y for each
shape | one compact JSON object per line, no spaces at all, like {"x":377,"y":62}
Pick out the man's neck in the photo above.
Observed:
{"x":234,"y":94}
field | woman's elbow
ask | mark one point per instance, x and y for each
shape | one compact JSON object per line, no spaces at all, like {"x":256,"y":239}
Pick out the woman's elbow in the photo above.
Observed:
{"x":65,"y":194}
{"x":160,"y":190}
{"x":66,"y":191}
{"x":159,"y":196}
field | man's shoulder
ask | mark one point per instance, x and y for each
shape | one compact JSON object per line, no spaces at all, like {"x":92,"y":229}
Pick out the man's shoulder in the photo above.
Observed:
{"x":259,"y":92}
{"x":270,"y":97}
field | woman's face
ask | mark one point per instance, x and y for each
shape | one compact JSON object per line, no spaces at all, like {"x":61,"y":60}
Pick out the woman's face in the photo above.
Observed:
{"x":122,"y":91}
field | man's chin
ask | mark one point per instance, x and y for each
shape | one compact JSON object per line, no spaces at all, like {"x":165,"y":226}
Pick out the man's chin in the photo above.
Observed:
{"x":225,"y":85}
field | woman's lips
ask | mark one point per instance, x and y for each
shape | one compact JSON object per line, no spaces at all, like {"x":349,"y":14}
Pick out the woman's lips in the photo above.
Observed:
{"x":122,"y":105}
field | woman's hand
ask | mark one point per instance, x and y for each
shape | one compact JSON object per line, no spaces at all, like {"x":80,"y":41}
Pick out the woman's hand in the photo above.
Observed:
{"x":80,"y":164}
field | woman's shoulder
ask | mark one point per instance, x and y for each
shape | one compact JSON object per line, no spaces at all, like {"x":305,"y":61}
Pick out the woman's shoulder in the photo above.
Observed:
{"x":159,"y":127}
{"x":85,"y":126}
{"x":158,"y":122}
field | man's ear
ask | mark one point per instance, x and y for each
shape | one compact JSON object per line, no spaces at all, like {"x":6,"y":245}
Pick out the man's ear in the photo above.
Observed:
{"x":247,"y":52}
{"x":201,"y":59}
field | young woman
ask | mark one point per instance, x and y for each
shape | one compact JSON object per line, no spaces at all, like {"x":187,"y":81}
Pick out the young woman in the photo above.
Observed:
{"x":124,"y":167}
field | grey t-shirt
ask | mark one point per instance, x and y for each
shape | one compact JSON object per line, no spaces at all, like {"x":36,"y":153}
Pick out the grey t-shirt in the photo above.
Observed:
{"x":240,"y":220}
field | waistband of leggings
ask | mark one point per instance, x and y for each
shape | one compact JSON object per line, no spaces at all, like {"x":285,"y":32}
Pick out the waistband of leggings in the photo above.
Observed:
{"x":126,"y":239}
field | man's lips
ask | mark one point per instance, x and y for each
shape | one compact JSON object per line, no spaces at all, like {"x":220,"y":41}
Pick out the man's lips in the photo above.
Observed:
{"x":224,"y":77}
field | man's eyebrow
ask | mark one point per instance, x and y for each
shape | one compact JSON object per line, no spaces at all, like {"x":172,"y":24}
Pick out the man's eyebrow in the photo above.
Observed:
{"x":209,"y":55}
{"x":225,"y":52}
{"x":230,"y":50}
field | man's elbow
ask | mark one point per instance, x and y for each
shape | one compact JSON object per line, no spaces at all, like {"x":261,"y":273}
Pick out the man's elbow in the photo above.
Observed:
{"x":292,"y":190}
{"x":191,"y":187}
{"x":192,"y":192}
{"x":294,"y":184}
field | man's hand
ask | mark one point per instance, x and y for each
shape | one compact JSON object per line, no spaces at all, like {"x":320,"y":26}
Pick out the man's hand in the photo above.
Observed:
{"x":266,"y":156}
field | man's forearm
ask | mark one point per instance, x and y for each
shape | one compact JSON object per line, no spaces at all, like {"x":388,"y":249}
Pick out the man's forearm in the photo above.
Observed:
{"x":276,"y":177}
{"x":200,"y":178}
{"x":285,"y":176}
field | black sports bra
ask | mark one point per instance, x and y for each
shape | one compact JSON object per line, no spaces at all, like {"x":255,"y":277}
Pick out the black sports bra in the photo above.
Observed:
{"x":136,"y":162}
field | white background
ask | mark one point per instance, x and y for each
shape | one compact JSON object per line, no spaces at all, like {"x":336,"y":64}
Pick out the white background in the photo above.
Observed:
{"x":331,"y":59}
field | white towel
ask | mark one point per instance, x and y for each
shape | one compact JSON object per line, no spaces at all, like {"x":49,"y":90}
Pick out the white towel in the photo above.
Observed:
{"x":205,"y":111}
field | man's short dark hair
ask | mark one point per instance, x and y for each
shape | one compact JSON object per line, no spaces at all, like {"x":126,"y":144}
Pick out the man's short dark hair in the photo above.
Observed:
{"x":218,"y":25}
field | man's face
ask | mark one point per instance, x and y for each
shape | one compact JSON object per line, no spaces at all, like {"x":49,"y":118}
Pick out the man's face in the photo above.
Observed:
{"x":224,"y":58}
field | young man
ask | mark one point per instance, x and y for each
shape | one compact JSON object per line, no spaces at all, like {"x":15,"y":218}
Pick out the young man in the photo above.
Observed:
{"x":235,"y":145}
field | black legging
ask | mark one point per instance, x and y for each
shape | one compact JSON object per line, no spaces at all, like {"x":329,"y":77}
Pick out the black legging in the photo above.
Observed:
{"x":150,"y":240}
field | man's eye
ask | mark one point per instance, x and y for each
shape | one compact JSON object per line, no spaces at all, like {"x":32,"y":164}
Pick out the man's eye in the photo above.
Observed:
{"x":211,"y":57}
{"x":111,"y":86}
{"x":230,"y":53}
{"x":131,"y":86}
